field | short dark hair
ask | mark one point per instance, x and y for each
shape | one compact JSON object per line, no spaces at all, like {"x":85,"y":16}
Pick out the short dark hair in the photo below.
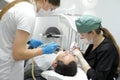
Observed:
{"x":66,"y":70}
{"x":54,"y":2}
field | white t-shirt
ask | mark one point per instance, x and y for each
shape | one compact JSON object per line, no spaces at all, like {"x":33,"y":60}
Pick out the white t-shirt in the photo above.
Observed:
{"x":22,"y":17}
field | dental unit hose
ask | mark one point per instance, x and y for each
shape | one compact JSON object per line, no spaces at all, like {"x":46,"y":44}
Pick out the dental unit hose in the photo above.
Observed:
{"x":32,"y":71}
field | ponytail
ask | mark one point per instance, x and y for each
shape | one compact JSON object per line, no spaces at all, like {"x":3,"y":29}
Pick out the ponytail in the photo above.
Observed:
{"x":107,"y":34}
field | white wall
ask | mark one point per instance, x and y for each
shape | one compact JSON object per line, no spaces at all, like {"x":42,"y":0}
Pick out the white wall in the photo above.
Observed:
{"x":108,"y":10}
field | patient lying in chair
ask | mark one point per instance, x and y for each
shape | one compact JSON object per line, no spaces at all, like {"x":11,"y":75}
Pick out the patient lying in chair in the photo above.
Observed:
{"x":63,"y":64}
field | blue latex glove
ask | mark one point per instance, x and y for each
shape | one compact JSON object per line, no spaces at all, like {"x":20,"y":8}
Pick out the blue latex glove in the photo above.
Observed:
{"x":49,"y":48}
{"x":35,"y":43}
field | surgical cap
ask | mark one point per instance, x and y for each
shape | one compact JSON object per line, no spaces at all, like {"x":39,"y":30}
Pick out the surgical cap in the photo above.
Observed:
{"x":87,"y":23}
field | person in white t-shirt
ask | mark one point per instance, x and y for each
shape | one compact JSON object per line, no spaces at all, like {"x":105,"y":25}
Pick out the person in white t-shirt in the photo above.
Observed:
{"x":16,"y":28}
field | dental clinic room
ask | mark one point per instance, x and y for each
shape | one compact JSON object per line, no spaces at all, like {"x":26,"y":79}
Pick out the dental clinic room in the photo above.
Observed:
{"x":59,"y":40}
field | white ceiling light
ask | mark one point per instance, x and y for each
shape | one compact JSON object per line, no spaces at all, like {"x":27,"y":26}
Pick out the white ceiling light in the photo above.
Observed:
{"x":89,"y":3}
{"x":90,"y":0}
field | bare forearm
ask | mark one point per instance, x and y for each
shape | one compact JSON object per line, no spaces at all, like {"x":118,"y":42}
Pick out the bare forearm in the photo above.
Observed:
{"x":27,"y":53}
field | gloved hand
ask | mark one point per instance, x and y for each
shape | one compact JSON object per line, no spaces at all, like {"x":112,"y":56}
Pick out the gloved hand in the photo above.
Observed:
{"x":78,"y":53}
{"x":83,"y":63}
{"x":49,"y":48}
{"x":35,"y":43}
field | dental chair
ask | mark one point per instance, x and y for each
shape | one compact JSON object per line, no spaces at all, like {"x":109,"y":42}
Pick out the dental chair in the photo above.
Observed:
{"x":37,"y":73}
{"x":50,"y":74}
{"x":60,"y":30}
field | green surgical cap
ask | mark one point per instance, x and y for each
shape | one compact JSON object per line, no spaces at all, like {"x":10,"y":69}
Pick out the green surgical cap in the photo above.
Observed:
{"x":87,"y":23}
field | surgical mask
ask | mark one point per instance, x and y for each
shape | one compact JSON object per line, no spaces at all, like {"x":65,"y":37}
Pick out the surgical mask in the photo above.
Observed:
{"x":43,"y":12}
{"x":88,"y":42}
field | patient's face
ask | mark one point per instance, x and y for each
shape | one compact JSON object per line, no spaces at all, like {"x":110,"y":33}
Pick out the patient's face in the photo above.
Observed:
{"x":65,"y":56}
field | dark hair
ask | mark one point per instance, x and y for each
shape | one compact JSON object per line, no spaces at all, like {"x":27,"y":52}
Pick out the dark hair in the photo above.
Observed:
{"x":54,"y":2}
{"x":66,"y":70}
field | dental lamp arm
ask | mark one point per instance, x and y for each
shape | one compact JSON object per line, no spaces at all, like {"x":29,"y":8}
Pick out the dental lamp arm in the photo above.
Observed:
{"x":84,"y":65}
